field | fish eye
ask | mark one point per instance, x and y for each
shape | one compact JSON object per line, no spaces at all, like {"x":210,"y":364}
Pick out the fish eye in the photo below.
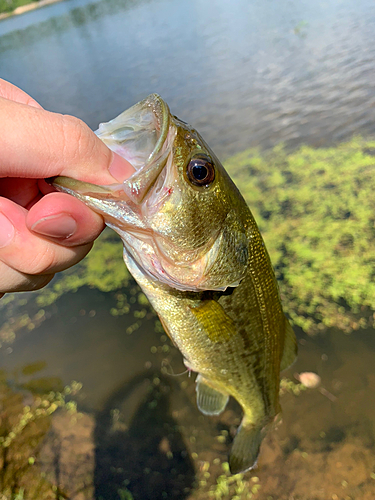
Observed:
{"x":200,"y":170}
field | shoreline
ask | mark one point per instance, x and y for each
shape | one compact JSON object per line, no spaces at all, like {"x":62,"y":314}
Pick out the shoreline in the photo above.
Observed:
{"x":26,"y":8}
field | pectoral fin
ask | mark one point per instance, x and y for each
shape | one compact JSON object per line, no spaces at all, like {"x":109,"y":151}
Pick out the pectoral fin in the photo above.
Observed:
{"x":215,"y":322}
{"x":290,"y":347}
{"x":209,"y":400}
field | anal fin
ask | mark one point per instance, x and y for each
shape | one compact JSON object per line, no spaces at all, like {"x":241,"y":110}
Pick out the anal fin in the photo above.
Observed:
{"x":290,"y":347}
{"x":209,"y":400}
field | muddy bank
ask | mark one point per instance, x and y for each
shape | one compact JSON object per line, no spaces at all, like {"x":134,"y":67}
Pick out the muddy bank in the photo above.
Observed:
{"x":26,"y":8}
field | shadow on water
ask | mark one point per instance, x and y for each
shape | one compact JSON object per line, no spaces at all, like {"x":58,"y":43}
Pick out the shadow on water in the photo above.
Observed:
{"x":146,"y":456}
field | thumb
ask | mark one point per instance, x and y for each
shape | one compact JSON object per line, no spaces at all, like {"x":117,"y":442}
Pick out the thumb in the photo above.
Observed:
{"x":40,"y":144}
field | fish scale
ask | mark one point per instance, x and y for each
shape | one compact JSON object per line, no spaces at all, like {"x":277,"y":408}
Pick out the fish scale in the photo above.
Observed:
{"x":193,"y":246}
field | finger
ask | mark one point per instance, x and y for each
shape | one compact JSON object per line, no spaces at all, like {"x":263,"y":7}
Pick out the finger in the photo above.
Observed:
{"x":28,"y":253}
{"x":40,"y":144}
{"x":13,"y":93}
{"x":64,"y":219}
{"x":21,"y":191}
{"x":14,"y":281}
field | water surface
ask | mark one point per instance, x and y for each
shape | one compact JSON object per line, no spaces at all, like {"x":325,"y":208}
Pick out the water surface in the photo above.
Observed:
{"x":244,"y":74}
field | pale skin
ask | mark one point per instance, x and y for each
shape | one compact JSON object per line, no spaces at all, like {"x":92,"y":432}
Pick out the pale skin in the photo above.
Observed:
{"x":43,"y":231}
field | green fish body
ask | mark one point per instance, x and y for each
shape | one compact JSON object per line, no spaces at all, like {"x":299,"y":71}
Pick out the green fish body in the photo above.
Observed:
{"x":192,"y":244}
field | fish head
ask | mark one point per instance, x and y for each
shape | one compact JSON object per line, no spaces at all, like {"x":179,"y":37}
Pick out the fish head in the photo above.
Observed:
{"x":181,"y":218}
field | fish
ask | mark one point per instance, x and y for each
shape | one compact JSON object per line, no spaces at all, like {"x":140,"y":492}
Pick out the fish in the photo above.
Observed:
{"x":194,"y":248}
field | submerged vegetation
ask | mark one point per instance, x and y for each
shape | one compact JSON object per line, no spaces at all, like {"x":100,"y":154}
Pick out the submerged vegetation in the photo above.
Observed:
{"x":315,"y":209}
{"x":25,"y":418}
{"x":103,"y":269}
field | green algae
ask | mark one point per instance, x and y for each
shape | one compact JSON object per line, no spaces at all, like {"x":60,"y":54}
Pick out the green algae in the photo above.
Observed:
{"x":23,"y":427}
{"x":316,"y":210}
{"x":215,"y":481}
{"x":103,"y":269}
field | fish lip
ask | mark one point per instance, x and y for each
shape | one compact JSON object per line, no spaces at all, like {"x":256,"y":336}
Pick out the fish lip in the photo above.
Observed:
{"x":161,"y":111}
{"x":80,"y":188}
{"x":135,"y":187}
{"x":126,"y":122}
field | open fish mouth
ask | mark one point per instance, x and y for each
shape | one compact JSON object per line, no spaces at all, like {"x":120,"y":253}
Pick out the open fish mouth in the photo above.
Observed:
{"x":139,"y":135}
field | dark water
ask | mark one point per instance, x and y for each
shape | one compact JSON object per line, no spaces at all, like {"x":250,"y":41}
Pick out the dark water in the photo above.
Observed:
{"x":245,"y":74}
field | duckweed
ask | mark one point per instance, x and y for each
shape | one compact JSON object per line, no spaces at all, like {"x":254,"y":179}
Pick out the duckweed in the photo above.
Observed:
{"x":315,"y":209}
{"x":287,"y":385}
{"x":233,"y":486}
{"x":22,"y":429}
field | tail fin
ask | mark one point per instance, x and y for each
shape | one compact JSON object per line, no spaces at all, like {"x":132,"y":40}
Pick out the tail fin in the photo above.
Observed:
{"x":245,"y":448}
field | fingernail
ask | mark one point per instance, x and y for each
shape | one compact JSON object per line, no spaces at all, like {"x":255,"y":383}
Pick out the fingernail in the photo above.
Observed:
{"x":56,"y":226}
{"x":120,"y":168}
{"x":6,"y":231}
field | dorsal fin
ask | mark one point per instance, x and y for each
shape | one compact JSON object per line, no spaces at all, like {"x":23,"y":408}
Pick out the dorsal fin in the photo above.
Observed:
{"x":290,"y":347}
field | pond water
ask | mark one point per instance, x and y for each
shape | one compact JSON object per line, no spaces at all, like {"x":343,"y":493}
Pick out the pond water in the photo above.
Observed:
{"x":244,"y":74}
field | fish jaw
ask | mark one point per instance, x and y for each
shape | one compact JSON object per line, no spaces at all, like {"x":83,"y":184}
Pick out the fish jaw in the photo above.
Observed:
{"x":140,"y":135}
{"x":140,"y":242}
{"x":143,"y":135}
{"x":178,"y":233}
{"x":111,"y":202}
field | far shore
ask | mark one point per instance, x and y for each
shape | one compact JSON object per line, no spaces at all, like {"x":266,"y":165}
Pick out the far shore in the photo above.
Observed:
{"x":25,"y":8}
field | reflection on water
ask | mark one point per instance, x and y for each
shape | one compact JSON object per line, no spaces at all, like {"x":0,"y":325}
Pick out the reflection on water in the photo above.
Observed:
{"x":252,"y":73}
{"x":245,"y":74}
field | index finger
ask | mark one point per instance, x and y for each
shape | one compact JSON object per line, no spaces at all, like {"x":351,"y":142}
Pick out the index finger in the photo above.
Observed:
{"x":14,"y":93}
{"x":36,"y":143}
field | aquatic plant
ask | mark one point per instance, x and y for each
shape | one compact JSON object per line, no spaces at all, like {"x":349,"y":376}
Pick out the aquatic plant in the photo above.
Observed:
{"x":315,"y":209}
{"x":224,"y":485}
{"x":40,"y":408}
{"x":103,"y":269}
{"x":22,"y":429}
{"x":125,"y":494}
{"x":287,"y":385}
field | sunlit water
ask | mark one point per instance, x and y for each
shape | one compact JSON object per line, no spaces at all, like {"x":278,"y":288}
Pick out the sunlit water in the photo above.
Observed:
{"x":245,"y":74}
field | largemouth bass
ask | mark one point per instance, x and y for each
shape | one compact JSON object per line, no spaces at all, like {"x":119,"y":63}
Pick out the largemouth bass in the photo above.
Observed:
{"x":192,"y":244}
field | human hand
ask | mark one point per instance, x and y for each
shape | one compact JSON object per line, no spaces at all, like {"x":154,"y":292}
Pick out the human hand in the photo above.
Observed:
{"x":43,"y":231}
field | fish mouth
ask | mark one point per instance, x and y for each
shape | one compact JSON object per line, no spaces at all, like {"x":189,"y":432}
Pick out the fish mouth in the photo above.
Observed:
{"x":139,"y":135}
